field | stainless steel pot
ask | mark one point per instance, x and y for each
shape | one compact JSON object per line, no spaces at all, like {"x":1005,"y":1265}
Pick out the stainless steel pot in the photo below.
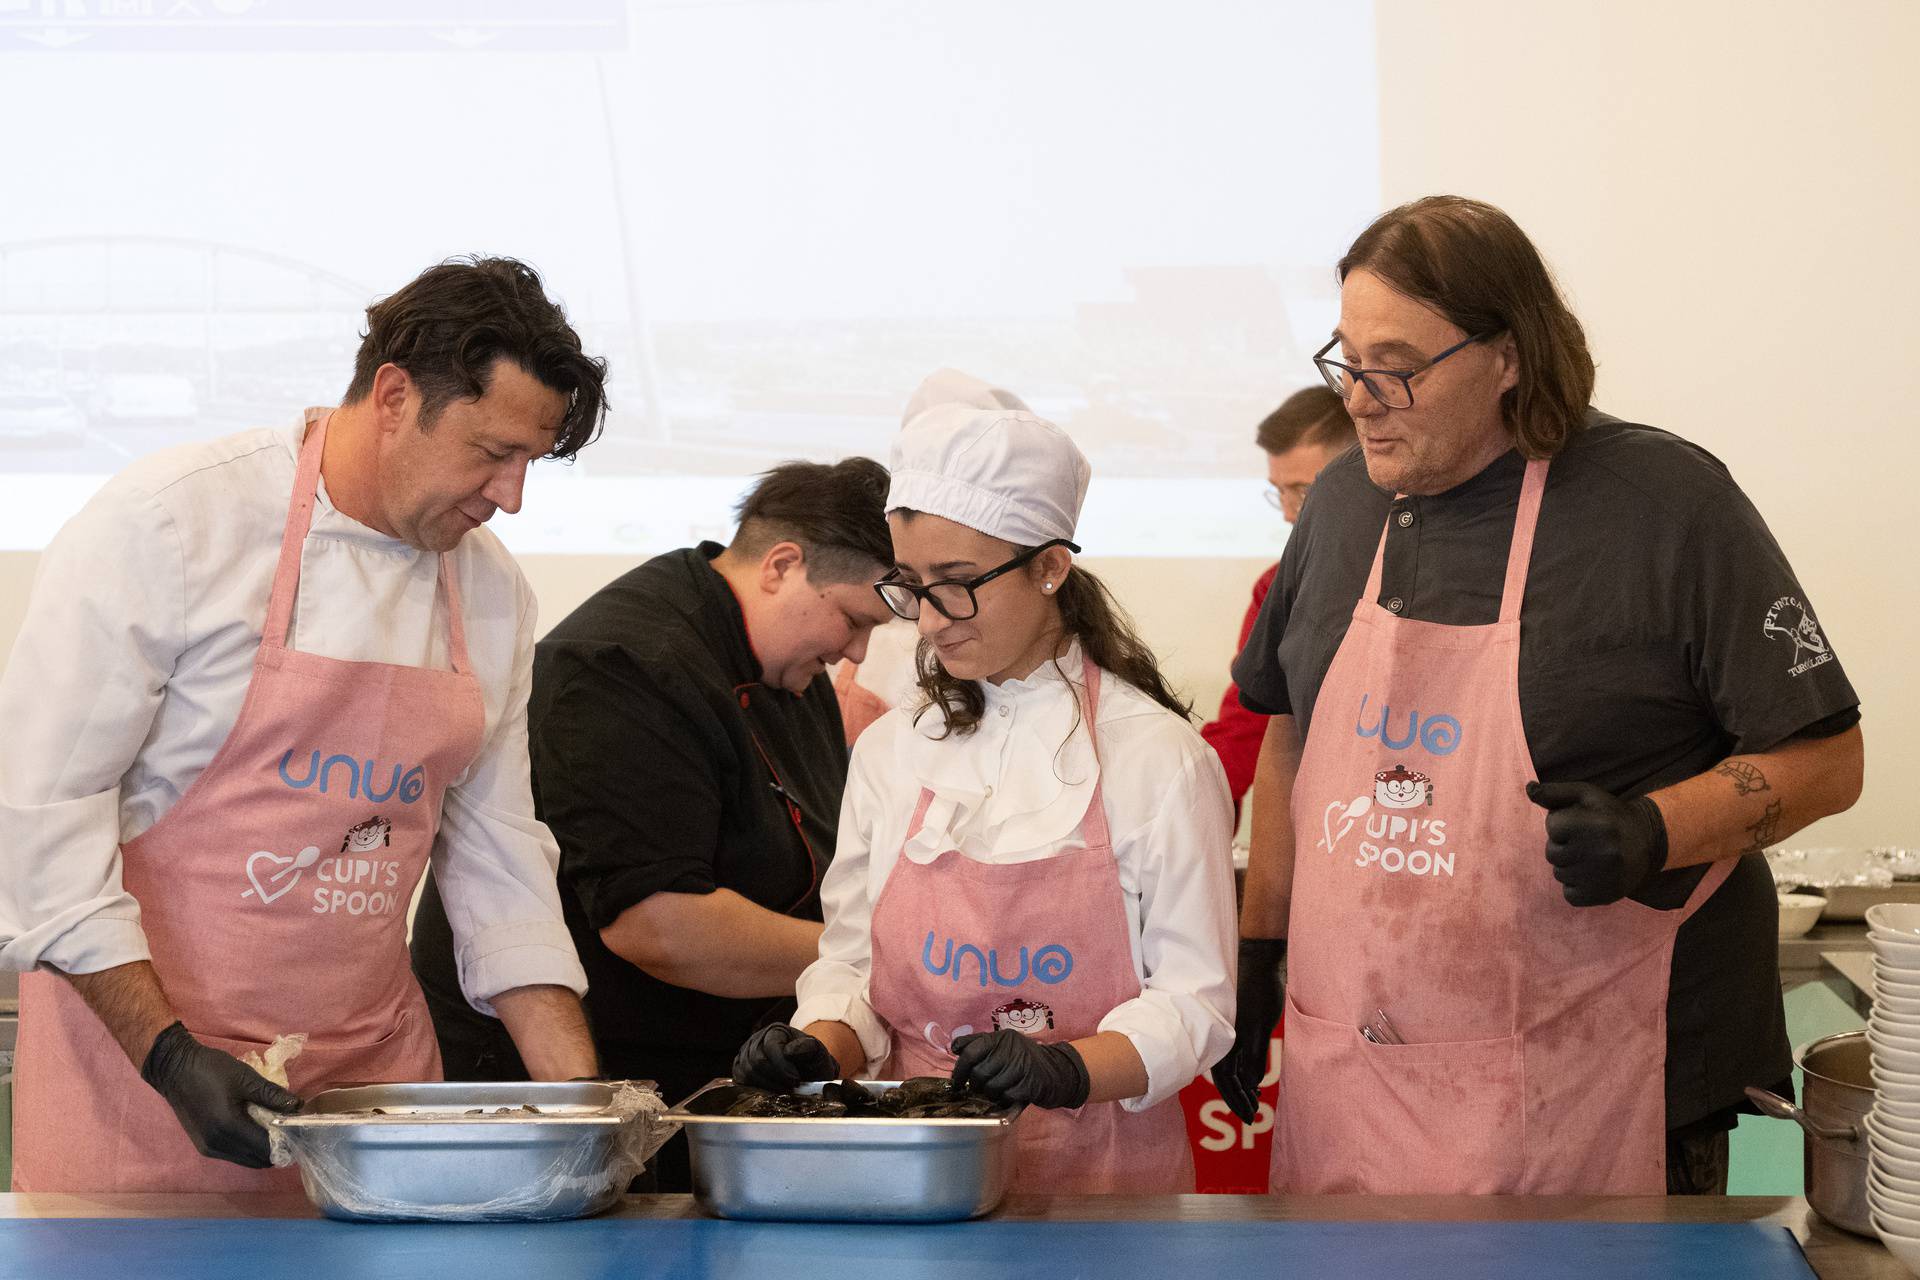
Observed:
{"x":1837,"y":1087}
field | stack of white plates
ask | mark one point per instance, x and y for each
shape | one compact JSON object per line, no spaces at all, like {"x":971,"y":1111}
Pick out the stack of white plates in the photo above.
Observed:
{"x":1893,"y":1036}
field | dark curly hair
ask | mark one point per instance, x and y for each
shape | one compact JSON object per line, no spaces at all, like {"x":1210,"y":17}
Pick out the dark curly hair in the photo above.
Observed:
{"x":448,"y":326}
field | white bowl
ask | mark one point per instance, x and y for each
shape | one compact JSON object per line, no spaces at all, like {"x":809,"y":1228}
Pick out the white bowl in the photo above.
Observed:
{"x":1894,"y":1002}
{"x":1897,"y":1133}
{"x":1908,"y":1251}
{"x":1902,"y":982}
{"x":1899,"y":1204}
{"x":1894,"y":1045}
{"x":1799,"y":912}
{"x":1898,"y":1108}
{"x":1894,"y":1182}
{"x":1899,"y":953}
{"x":1890,"y":1158}
{"x":1899,"y":920}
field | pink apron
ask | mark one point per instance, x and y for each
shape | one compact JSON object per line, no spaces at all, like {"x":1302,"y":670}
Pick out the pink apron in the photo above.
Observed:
{"x":1041,"y":947}
{"x":1534,"y":1033}
{"x":274,"y":896}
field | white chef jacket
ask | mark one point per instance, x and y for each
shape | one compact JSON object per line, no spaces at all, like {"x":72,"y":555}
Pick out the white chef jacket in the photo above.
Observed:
{"x":1012,"y":792}
{"x":135,"y":656}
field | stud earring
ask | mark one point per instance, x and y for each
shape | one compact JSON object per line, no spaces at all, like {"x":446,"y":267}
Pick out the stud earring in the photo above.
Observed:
{"x":1049,"y":586}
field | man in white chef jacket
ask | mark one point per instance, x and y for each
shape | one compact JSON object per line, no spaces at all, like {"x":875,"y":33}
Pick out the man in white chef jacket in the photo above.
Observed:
{"x":184,"y":889}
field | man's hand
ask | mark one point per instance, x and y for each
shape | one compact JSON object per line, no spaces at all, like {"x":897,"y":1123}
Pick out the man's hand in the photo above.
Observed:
{"x":209,"y":1092}
{"x":1010,"y":1067}
{"x":1257,"y":1003}
{"x":778,"y":1057}
{"x":1601,"y":848}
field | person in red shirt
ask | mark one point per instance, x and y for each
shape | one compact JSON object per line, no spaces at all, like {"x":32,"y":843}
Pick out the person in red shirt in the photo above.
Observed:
{"x":1308,"y":430}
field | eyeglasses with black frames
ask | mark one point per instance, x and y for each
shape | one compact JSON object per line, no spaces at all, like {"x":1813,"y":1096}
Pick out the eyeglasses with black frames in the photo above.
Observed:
{"x":1391,"y":387}
{"x":953,"y":598}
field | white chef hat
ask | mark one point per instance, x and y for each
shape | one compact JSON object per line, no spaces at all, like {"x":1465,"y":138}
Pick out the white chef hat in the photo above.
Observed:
{"x":978,"y":456}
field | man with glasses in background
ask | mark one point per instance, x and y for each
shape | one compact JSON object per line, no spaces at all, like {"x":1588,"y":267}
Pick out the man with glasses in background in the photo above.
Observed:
{"x":1542,"y":689}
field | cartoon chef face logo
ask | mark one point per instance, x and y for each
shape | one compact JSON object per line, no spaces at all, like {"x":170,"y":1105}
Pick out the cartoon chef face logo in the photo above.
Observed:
{"x":1028,"y":1017}
{"x":1402,"y":788}
{"x":369,"y":835}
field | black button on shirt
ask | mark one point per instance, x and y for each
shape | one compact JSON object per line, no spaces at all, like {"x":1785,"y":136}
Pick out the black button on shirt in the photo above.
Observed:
{"x":1661,"y":631}
{"x":662,"y":764}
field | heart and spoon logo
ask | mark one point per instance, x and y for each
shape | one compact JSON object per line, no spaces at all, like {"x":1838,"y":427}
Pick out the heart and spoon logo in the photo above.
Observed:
{"x":281,"y":871}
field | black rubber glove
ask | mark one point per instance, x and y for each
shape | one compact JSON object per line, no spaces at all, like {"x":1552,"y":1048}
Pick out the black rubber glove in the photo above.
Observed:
{"x":209,"y":1092}
{"x":1010,"y":1067}
{"x":1602,"y":848}
{"x":1259,"y":996}
{"x":778,"y":1057}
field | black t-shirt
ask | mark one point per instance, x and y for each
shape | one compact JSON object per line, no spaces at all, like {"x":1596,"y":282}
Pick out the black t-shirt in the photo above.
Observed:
{"x":662,"y":764}
{"x":1662,"y":630}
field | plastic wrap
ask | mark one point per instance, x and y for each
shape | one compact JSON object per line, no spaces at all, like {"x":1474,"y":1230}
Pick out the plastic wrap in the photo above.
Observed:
{"x":429,"y":1158}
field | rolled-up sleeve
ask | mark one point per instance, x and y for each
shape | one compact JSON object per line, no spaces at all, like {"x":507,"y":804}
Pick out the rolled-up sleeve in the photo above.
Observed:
{"x":1181,"y":1023}
{"x":104,"y":626}
{"x":834,"y":987}
{"x":496,"y":863}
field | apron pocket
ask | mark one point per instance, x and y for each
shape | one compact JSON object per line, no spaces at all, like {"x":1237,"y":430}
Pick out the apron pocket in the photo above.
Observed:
{"x":1444,"y":1118}
{"x":1413,"y":1119}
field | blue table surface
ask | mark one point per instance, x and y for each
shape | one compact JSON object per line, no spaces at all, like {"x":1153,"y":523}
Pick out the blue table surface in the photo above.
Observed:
{"x":604,"y":1248}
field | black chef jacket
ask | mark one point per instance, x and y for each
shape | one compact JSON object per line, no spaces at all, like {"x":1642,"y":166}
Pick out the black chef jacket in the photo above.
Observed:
{"x":662,"y":764}
{"x":1662,"y":630}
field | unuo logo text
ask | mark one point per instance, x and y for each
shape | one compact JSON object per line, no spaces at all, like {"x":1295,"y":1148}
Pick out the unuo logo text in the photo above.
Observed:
{"x":1050,"y":964}
{"x":363,"y":780}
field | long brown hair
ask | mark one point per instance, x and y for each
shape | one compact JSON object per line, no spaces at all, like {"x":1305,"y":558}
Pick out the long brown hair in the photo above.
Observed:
{"x":1474,"y":265}
{"x":1088,"y":613}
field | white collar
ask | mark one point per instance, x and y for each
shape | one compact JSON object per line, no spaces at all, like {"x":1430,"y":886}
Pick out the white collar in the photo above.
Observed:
{"x":1022,"y":779}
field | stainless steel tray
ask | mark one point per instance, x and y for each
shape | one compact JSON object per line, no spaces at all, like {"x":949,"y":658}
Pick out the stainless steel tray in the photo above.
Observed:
{"x":877,"y":1169}
{"x":427,"y":1159}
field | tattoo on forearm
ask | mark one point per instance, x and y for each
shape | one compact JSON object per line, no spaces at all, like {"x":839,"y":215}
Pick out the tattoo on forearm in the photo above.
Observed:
{"x":1766,"y":830}
{"x":1746,"y":778}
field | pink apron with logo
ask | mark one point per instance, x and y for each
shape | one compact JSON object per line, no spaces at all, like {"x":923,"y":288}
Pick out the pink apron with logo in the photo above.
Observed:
{"x":1534,"y":1033}
{"x":274,"y":896}
{"x":1042,"y":947}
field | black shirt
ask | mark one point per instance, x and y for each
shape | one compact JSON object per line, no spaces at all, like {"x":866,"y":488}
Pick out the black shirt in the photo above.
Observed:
{"x":662,"y":764}
{"x":1662,"y":630}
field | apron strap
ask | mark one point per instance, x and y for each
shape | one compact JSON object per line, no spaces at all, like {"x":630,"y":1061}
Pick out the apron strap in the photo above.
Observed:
{"x":919,"y":816}
{"x":1520,"y":550}
{"x":456,"y":629}
{"x":1093,"y":826}
{"x":293,"y":537}
{"x":1715,"y":877}
{"x":286,"y":574}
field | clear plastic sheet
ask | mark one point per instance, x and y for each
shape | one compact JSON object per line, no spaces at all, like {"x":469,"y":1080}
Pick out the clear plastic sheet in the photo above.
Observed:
{"x":442,"y":1165}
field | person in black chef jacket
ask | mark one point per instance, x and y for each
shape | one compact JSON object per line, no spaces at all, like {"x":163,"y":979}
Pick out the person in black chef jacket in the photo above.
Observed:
{"x":688,"y":755}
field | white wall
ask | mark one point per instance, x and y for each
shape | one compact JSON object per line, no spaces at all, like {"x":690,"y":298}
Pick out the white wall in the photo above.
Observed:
{"x":1729,"y":193}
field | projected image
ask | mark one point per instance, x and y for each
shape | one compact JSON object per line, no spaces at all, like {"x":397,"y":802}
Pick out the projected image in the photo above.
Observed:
{"x":772,"y":218}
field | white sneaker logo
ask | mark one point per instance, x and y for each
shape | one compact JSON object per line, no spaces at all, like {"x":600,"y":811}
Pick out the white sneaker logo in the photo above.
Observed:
{"x":286,"y":874}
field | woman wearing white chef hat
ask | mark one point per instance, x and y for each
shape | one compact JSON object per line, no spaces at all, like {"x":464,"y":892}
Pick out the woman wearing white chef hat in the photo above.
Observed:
{"x":1031,"y":890}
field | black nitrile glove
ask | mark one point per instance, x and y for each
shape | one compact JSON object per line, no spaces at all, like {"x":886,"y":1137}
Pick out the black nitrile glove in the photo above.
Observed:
{"x":1601,"y":848}
{"x":1259,"y":996}
{"x":1010,"y":1067}
{"x":209,"y":1092}
{"x":778,"y":1057}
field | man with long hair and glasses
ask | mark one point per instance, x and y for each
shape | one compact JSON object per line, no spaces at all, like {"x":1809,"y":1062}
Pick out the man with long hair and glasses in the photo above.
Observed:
{"x":261,"y":681}
{"x":1530,"y":735}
